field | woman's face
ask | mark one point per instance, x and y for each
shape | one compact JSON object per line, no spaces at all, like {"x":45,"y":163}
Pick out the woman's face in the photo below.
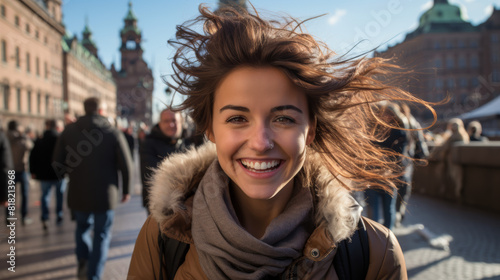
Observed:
{"x":260,"y":127}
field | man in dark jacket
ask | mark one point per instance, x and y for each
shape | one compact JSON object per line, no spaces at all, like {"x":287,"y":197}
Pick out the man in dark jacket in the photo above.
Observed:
{"x":41,"y":169}
{"x":6,"y":165}
{"x":92,"y":153}
{"x":163,"y":140}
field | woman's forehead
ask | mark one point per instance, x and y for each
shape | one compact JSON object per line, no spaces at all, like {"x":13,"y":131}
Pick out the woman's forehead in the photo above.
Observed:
{"x":267,"y":85}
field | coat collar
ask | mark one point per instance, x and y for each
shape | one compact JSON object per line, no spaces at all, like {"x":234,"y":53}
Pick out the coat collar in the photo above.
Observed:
{"x":176,"y":179}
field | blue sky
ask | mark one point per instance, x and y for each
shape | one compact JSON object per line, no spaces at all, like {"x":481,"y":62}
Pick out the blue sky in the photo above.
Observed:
{"x":379,"y":22}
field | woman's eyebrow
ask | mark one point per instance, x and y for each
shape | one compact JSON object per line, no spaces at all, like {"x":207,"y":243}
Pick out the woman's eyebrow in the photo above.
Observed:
{"x":234,"y":107}
{"x":285,"y":107}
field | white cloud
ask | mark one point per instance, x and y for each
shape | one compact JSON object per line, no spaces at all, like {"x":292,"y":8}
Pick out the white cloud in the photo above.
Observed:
{"x":470,"y":1}
{"x":427,"y":5}
{"x":337,"y":15}
{"x":488,"y":10}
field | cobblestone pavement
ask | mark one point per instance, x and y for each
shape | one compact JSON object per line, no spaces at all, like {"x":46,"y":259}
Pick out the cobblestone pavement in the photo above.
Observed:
{"x":474,"y":247}
{"x":474,"y":250}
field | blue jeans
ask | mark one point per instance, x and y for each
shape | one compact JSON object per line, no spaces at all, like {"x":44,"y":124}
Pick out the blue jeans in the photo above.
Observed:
{"x":94,"y":252}
{"x":22,"y":177}
{"x":373,"y":199}
{"x":46,"y":185}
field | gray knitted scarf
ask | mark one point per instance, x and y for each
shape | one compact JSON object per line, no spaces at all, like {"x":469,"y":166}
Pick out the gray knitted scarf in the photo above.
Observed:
{"x":227,"y":251}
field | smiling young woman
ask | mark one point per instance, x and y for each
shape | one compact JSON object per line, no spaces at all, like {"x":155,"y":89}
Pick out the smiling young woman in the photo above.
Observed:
{"x":291,"y":132}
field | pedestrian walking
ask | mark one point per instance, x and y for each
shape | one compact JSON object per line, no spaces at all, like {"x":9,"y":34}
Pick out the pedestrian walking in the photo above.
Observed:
{"x":20,"y":146}
{"x":396,"y":141}
{"x":93,"y":154}
{"x":163,"y":141}
{"x":6,"y":166}
{"x":40,"y":162}
{"x":290,"y":129}
{"x":416,"y":149}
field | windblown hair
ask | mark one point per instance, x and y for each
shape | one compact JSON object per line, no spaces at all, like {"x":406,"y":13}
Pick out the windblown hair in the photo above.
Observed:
{"x":340,"y":92}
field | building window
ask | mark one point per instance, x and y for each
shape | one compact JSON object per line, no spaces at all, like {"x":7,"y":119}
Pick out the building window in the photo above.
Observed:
{"x":6,"y":94}
{"x":474,"y":82}
{"x":461,"y":44}
{"x":495,"y":38}
{"x":28,"y":30}
{"x":47,"y":99}
{"x":37,"y":66}
{"x":18,"y":96}
{"x":16,"y":21}
{"x":28,"y":63}
{"x":4,"y":51}
{"x":450,"y":62}
{"x":474,"y":62}
{"x":37,"y":34}
{"x":451,"y":83}
{"x":45,"y":40}
{"x":437,"y":45}
{"x":449,"y":44}
{"x":18,"y":58}
{"x":46,"y":70}
{"x":495,"y":57}
{"x":2,"y":10}
{"x":495,"y":76}
{"x":29,"y":100}
{"x":38,"y":102}
{"x":439,"y":83}
{"x":474,"y":44}
{"x":462,"y":62}
{"x":438,"y":63}
{"x":463,"y":83}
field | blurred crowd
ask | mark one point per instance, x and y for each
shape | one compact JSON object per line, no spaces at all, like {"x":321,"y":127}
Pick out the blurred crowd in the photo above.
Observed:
{"x":416,"y":145}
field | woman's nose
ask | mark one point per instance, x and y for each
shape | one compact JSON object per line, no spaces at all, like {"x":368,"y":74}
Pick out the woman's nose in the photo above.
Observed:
{"x":261,"y":139}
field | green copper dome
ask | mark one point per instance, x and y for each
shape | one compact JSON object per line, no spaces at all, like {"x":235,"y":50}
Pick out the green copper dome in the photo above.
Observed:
{"x":441,"y":12}
{"x":442,"y":17}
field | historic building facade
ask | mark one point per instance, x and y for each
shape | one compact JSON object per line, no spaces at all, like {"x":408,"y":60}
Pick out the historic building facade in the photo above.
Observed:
{"x":44,"y":72}
{"x":30,"y":61}
{"x":85,"y":75}
{"x":135,"y":79}
{"x":451,"y":57}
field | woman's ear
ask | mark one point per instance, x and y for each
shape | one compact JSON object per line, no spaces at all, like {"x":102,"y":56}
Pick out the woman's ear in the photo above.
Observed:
{"x":311,"y":133}
{"x":210,"y":135}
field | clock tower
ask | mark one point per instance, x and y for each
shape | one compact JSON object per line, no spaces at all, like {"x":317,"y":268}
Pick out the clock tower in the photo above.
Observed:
{"x":134,"y":80}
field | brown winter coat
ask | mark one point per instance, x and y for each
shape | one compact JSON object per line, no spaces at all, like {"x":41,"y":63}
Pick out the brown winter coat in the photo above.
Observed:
{"x":337,"y":214}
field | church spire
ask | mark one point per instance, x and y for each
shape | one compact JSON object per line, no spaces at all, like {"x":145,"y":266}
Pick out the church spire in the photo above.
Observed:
{"x":87,"y":41}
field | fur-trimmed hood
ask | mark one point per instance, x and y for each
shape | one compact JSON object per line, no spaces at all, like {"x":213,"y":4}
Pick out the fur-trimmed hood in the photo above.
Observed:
{"x":177,"y":178}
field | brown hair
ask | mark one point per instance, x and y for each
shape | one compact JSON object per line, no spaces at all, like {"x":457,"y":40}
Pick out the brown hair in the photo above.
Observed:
{"x":340,"y":92}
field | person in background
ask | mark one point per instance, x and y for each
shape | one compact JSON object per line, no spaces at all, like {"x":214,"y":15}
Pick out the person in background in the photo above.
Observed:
{"x":474,"y":129}
{"x":415,"y":149}
{"x":396,"y":141}
{"x":164,"y":140}
{"x":452,"y":172}
{"x":93,"y":153}
{"x":40,"y":162}
{"x":20,"y":146}
{"x":6,"y":167}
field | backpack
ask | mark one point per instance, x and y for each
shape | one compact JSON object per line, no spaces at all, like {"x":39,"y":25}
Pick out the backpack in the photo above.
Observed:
{"x":351,"y":260}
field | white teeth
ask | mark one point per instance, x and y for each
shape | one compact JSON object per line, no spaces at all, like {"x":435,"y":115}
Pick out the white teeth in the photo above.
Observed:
{"x":260,"y":165}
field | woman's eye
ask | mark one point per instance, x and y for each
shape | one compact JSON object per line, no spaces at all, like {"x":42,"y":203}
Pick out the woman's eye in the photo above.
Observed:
{"x":284,"y":119}
{"x":235,"y":119}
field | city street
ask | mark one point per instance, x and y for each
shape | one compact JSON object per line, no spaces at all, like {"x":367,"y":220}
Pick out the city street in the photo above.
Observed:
{"x":473,"y":253}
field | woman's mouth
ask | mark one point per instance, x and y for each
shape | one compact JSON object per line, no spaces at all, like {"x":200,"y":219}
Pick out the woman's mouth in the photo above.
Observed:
{"x":261,"y":166}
